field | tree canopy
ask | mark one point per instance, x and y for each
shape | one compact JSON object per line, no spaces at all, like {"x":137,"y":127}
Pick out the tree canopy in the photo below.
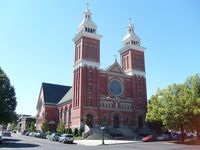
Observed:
{"x":8,"y":101}
{"x":45,"y":127}
{"x":177,"y":106}
{"x":61,"y":127}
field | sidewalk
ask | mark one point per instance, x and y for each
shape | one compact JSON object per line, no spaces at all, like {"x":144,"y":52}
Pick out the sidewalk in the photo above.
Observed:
{"x":99,"y":142}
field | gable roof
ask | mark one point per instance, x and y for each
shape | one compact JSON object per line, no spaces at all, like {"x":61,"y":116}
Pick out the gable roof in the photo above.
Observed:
{"x":53,"y":93}
{"x":67,"y":97}
{"x":115,"y":67}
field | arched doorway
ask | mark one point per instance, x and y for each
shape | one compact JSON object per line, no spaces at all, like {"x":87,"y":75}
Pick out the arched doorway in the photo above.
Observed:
{"x":140,"y":121}
{"x":89,"y":120}
{"x":116,"y":121}
{"x":51,"y":125}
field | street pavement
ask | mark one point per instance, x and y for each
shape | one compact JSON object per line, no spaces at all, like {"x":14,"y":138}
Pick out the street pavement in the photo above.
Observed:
{"x":106,"y":142}
{"x":21,"y":142}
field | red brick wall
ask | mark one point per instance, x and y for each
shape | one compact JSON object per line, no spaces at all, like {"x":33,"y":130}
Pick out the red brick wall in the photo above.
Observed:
{"x":103,"y":84}
{"x":51,"y":113}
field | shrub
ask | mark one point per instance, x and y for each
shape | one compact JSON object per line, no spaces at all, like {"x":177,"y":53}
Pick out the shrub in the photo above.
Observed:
{"x":70,"y":131}
{"x":81,"y":131}
{"x":76,"y":132}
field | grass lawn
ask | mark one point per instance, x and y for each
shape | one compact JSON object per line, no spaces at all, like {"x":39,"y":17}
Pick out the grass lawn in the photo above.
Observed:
{"x":77,"y":138}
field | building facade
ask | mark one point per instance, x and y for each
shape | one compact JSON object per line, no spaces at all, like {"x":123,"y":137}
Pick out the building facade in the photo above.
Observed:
{"x":115,"y":96}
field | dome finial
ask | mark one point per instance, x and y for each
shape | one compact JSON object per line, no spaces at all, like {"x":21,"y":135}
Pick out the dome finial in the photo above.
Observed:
{"x":130,"y":27}
{"x":129,"y":23}
{"x":115,"y":58}
{"x":87,"y":6}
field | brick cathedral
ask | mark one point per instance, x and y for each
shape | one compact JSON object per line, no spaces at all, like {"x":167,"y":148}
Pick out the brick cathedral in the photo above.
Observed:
{"x":114,"y":97}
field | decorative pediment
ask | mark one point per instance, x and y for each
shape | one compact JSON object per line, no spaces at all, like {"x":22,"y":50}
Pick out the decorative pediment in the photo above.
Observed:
{"x":116,"y":68}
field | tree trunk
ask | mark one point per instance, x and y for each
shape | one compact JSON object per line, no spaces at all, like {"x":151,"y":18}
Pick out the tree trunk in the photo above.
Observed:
{"x":182,"y":134}
{"x":198,"y":136}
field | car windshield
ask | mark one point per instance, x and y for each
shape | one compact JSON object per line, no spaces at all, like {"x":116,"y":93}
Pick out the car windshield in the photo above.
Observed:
{"x":69,"y":135}
{"x":57,"y":134}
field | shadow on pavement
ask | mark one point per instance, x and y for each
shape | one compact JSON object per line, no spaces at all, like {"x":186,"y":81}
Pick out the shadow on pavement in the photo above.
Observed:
{"x":14,"y":143}
{"x":10,"y":140}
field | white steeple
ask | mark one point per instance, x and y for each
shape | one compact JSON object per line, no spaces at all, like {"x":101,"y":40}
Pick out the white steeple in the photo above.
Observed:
{"x":131,"y":40}
{"x":87,"y":27}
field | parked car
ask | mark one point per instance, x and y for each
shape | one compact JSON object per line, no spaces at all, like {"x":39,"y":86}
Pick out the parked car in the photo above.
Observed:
{"x":7,"y":133}
{"x":66,"y":138}
{"x":48,"y":137}
{"x":14,"y":131}
{"x":24,"y":132}
{"x":163,"y":137}
{"x":37,"y":134}
{"x":27,"y":133}
{"x":54,"y":136}
{"x":1,"y":140}
{"x":33,"y":134}
{"x":149,"y":138}
{"x":175,"y":136}
{"x":42,"y":135}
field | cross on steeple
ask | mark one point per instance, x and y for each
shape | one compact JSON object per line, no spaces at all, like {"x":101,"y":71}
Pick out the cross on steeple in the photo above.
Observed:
{"x":130,"y":20}
{"x":115,"y":56}
{"x":87,"y":6}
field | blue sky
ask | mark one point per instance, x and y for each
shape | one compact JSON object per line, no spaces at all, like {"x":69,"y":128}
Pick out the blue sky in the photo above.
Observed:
{"x":36,"y":40}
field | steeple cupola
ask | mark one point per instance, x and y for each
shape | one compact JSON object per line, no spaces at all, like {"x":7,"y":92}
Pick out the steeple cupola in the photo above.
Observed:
{"x":131,"y":38}
{"x":132,"y":53}
{"x":87,"y":27}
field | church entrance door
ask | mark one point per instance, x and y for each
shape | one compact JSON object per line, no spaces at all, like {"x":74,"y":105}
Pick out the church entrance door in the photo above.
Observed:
{"x":116,"y":121}
{"x":140,"y":122}
{"x":89,"y":121}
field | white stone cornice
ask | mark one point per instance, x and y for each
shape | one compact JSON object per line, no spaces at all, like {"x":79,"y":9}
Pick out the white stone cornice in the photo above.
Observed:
{"x":87,"y":34}
{"x":84,"y":62}
{"x":132,"y":47}
{"x":136,"y":72}
{"x":115,"y":74}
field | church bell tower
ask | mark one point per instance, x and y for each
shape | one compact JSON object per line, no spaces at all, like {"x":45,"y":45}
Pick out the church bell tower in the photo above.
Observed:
{"x":86,"y":68}
{"x":133,"y":64}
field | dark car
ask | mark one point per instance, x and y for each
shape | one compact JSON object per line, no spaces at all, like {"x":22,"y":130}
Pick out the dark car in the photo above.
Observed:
{"x":149,"y":138}
{"x":66,"y":138}
{"x":1,"y":140}
{"x":7,"y":133}
{"x":24,"y":132}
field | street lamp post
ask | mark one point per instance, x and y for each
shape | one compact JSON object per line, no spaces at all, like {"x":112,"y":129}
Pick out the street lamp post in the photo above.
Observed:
{"x":102,"y":128}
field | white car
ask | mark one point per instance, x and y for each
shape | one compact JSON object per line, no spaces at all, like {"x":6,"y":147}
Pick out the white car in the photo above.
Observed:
{"x":163,"y":137}
{"x":66,"y":138}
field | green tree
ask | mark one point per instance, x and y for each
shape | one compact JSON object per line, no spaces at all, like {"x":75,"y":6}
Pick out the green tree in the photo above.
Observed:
{"x":8,"y":101}
{"x":45,"y":127}
{"x":12,"y":126}
{"x":32,"y":127}
{"x":172,"y":106}
{"x":61,"y":127}
{"x":193,"y":83}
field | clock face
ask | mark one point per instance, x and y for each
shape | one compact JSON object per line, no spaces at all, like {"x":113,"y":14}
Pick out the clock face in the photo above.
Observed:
{"x":115,"y":87}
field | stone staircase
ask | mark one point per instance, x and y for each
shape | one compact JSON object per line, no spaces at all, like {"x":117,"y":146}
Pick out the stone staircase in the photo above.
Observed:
{"x":112,"y":133}
{"x":97,"y":134}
